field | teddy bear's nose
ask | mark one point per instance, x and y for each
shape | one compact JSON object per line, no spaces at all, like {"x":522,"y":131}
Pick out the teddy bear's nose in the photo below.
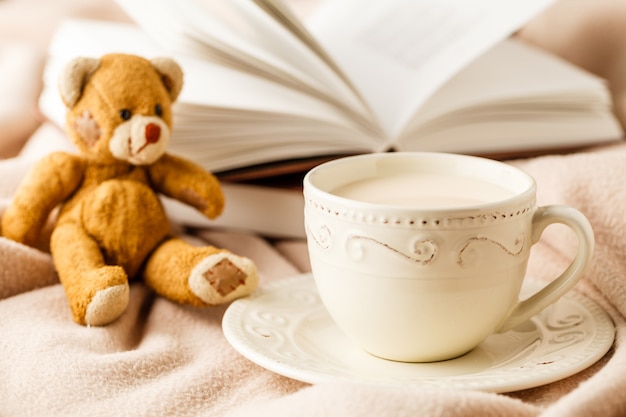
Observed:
{"x":153,"y":132}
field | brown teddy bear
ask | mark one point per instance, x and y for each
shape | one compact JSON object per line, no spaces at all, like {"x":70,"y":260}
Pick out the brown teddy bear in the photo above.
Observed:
{"x":111,"y":225}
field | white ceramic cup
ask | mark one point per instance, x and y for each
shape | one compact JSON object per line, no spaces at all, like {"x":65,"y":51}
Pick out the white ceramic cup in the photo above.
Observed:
{"x":418,"y":257}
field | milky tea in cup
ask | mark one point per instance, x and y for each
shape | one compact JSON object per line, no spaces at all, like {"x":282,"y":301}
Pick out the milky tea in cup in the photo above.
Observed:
{"x":419,"y":257}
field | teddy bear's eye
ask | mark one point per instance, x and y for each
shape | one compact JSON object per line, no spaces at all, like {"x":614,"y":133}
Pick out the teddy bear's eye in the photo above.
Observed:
{"x":158,"y":110}
{"x":125,"y":114}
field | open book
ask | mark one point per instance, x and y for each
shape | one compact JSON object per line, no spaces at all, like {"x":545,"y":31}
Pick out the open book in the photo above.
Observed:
{"x":361,"y":76}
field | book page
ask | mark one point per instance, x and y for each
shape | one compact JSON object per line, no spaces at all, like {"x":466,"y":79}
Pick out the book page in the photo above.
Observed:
{"x":534,"y":101}
{"x":525,"y":76}
{"x":283,"y":15}
{"x":241,"y":35}
{"x":399,"y":52}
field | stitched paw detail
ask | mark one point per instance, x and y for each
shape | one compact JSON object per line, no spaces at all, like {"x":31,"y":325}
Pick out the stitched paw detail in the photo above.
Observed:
{"x":223,"y":277}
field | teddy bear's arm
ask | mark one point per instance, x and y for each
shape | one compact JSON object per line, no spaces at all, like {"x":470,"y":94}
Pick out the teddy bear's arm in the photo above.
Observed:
{"x":189,"y":183}
{"x":47,"y":184}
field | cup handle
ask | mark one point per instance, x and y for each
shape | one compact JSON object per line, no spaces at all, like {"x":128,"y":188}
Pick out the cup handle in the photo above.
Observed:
{"x":542,"y":218}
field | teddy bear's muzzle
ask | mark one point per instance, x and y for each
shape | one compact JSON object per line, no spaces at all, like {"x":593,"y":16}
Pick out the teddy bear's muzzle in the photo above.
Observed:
{"x":140,"y":140}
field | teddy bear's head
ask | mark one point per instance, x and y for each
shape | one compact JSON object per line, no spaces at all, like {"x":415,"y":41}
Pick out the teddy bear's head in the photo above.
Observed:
{"x":120,"y":106}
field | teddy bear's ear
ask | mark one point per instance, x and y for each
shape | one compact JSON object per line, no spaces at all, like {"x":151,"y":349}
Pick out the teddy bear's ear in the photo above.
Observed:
{"x":74,"y":77}
{"x":171,"y":74}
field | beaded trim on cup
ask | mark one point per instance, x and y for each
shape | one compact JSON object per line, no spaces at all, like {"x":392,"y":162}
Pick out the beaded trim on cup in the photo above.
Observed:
{"x":466,"y":220}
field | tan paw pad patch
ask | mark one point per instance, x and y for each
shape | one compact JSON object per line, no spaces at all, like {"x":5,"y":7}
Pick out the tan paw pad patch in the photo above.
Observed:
{"x":223,"y":277}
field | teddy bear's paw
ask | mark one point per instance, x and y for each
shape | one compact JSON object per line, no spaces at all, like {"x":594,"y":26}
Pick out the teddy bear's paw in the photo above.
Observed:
{"x":107,"y":305}
{"x":223,"y":277}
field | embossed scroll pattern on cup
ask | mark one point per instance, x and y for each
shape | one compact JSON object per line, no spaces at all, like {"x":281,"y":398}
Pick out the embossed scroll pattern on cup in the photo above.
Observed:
{"x":421,"y":250}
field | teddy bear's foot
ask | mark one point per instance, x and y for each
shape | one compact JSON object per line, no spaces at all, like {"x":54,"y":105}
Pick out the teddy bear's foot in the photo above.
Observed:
{"x":223,"y":277}
{"x":109,"y":286}
{"x":107,"y":305}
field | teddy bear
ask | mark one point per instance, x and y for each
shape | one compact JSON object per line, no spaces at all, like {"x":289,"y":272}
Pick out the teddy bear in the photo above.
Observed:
{"x":109,"y":225}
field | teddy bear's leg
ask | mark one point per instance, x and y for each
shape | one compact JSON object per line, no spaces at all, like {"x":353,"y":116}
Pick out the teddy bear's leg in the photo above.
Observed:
{"x":199,"y":276}
{"x":97,"y":293}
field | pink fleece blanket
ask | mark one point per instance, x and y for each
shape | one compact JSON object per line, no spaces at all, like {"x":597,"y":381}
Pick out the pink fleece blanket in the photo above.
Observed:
{"x":163,"y":359}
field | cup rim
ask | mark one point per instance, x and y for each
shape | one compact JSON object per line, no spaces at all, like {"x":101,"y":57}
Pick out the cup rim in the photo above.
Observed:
{"x":313,"y":190}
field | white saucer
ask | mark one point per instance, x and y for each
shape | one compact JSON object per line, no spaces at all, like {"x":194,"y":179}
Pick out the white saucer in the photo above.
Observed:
{"x":285,"y":328}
